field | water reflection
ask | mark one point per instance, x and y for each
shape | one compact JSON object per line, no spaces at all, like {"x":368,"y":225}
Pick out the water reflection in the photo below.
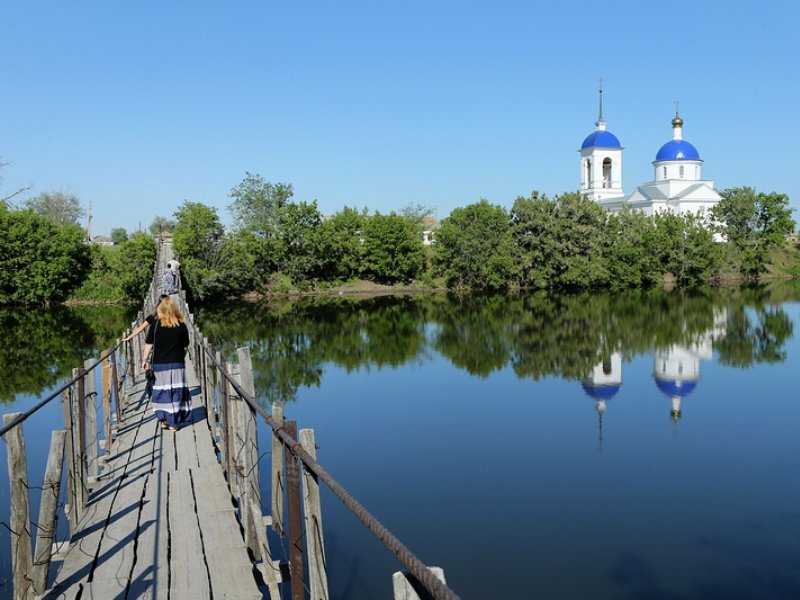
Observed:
{"x":43,"y":346}
{"x":586,"y":338}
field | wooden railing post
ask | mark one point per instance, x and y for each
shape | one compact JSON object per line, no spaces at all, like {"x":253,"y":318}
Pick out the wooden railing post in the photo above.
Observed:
{"x":312,"y":509}
{"x":21,"y":559}
{"x":224,"y":417}
{"x":72,"y":497}
{"x":48,"y":507}
{"x":251,"y":489}
{"x":234,"y":434}
{"x":208,"y":386}
{"x":106,"y":384}
{"x":80,"y":411}
{"x":278,"y":454}
{"x":92,"y":466}
{"x":405,"y":585}
{"x":115,"y":384}
{"x":295,"y":533}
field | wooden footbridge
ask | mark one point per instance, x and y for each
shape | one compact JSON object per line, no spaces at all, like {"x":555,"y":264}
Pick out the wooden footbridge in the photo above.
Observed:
{"x":160,"y":514}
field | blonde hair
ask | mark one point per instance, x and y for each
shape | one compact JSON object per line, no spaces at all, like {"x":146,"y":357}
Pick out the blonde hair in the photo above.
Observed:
{"x":169,"y":315}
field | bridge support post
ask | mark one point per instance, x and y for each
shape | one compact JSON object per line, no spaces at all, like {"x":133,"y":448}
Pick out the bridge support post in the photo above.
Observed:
{"x":312,"y":509}
{"x":21,"y":559}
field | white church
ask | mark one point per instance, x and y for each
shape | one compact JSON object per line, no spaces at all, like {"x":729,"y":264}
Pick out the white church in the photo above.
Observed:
{"x":677,"y":184}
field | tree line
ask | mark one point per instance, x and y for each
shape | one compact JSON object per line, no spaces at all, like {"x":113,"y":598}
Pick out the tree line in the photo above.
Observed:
{"x":277,"y":244}
{"x":568,"y":242}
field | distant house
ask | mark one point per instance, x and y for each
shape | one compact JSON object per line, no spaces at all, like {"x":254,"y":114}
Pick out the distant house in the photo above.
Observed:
{"x":102,"y":240}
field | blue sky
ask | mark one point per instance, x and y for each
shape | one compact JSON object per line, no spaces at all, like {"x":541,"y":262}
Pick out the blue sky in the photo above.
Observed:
{"x":138,"y":106}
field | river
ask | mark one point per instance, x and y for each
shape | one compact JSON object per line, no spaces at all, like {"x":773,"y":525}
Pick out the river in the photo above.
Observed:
{"x":634,"y":445}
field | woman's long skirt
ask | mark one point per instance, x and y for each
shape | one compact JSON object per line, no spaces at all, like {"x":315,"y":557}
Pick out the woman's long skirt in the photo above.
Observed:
{"x":172,"y":402}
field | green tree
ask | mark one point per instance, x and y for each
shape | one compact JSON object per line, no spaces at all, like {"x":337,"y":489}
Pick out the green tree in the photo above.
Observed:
{"x":560,"y":242}
{"x":629,"y":243}
{"x":753,"y":223}
{"x":133,"y":263}
{"x":392,"y":250}
{"x":60,"y":208}
{"x":40,"y":262}
{"x":161,"y":225}
{"x":342,"y":251}
{"x":299,"y":241}
{"x":119,"y":235}
{"x":474,"y":247}
{"x":684,"y":247}
{"x":257,"y":204}
{"x":198,"y":242}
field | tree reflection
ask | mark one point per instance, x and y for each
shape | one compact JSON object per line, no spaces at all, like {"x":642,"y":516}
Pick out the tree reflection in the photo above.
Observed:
{"x":42,"y":347}
{"x":537,"y":335}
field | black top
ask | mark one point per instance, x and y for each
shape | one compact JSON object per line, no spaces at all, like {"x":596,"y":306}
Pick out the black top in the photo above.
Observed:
{"x":170,"y":343}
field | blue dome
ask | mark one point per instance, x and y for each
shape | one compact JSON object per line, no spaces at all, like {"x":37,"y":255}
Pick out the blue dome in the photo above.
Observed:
{"x":676,"y":388}
{"x":601,"y":139}
{"x":601,"y":392}
{"x":677,"y":150}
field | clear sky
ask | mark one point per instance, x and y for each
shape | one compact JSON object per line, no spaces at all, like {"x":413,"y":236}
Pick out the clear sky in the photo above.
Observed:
{"x":138,"y":106}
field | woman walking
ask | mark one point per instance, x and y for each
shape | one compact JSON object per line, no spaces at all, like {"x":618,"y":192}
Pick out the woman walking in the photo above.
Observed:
{"x":168,"y":337}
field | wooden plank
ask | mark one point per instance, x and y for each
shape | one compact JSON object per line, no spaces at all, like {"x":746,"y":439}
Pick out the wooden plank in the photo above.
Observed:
{"x":72,"y":500}
{"x":277,"y":487}
{"x":150,"y":575}
{"x":46,"y":533}
{"x":106,"y":387}
{"x":92,"y":464}
{"x":21,"y":560}
{"x":102,"y":548}
{"x":312,"y":513}
{"x":295,"y":533}
{"x":406,"y":586}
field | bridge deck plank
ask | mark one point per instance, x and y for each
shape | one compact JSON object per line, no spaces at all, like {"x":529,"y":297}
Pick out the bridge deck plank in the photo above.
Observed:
{"x":161,"y":523}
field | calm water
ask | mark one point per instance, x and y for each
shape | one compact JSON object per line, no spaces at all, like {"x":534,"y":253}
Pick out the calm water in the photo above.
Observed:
{"x":642,"y":445}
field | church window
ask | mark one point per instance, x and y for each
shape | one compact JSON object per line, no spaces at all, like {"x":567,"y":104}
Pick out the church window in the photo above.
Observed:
{"x":665,"y":172}
{"x":588,"y":173}
{"x":680,"y":171}
{"x":606,"y":172}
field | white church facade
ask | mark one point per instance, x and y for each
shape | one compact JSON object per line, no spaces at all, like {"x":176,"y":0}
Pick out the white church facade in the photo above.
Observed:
{"x":677,"y":185}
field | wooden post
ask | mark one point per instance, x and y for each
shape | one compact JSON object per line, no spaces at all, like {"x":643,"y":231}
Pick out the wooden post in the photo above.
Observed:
{"x":106,"y":383}
{"x":92,"y":465}
{"x":21,"y":560}
{"x":295,"y":533}
{"x":129,"y":348}
{"x":115,"y":385}
{"x":208,"y":386}
{"x":72,"y":498}
{"x":407,"y":587}
{"x":249,"y":432}
{"x":48,"y":508}
{"x":79,"y":441}
{"x":235,"y":430}
{"x":278,"y":453}
{"x":312,"y":508}
{"x":80,"y":411}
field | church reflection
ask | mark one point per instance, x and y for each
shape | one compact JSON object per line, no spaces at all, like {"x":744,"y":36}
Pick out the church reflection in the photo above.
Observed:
{"x":676,"y":371}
